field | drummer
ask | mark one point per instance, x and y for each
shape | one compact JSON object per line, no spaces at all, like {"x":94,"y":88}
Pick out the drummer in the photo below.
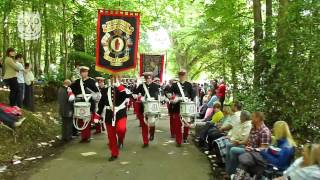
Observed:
{"x":168,"y":94}
{"x":175,"y":101}
{"x":101,"y":87}
{"x":116,"y":128}
{"x":89,"y":86}
{"x":153,"y":89}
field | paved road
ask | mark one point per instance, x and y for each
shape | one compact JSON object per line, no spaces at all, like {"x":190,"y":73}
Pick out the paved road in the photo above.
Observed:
{"x":161,"y":161}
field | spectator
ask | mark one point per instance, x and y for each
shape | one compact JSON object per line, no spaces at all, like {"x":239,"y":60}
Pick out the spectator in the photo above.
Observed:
{"x":237,"y":137}
{"x":210,"y":110}
{"x":20,"y":78}
{"x":259,"y":138}
{"x":29,"y":79}
{"x":218,"y":115}
{"x":221,"y":92}
{"x":306,"y":167}
{"x":203,"y":107}
{"x":221,"y":129}
{"x":279,"y":155}
{"x":65,"y":100}
{"x":10,"y":76}
{"x":10,"y":116}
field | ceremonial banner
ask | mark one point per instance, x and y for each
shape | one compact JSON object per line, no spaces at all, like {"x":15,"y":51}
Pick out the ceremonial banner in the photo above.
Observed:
{"x":117,"y":40}
{"x":152,"y":63}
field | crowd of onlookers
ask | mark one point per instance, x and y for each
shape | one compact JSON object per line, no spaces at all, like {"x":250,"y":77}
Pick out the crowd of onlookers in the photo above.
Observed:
{"x":247,"y":148}
{"x":19,"y":77}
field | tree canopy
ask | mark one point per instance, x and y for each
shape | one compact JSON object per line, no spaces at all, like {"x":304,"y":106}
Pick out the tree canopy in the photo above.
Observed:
{"x":267,"y":51}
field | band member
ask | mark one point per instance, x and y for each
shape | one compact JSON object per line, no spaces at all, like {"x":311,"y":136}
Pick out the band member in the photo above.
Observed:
{"x":168,"y":94}
{"x":112,"y":108}
{"x":81,"y":87}
{"x":177,"y":97}
{"x":101,"y":86}
{"x":147,"y":90}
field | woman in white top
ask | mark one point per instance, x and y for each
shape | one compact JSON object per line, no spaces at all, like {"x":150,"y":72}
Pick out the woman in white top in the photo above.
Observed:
{"x":20,"y":78}
{"x":306,"y":167}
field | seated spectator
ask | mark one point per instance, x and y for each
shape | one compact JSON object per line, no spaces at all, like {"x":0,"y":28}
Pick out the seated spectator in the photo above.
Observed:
{"x":10,"y":120}
{"x":203,"y":107}
{"x":259,"y":138}
{"x":221,"y":127}
{"x":306,"y":167}
{"x":237,"y":137}
{"x":228,"y":122}
{"x":279,"y":154}
{"x":218,"y":115}
{"x":210,"y":110}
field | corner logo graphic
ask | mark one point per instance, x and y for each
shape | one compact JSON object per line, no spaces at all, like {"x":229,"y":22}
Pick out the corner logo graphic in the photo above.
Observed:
{"x":29,"y":25}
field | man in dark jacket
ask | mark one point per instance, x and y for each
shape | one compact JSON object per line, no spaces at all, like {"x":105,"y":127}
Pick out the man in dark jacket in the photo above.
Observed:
{"x":65,"y":100}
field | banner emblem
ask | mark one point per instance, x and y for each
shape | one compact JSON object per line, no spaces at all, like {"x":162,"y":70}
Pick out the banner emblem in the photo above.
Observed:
{"x":117,"y":42}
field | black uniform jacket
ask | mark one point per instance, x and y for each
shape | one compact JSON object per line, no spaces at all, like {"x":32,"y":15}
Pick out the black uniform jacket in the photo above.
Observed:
{"x":188,"y":92}
{"x":87,"y":84}
{"x":117,"y":99}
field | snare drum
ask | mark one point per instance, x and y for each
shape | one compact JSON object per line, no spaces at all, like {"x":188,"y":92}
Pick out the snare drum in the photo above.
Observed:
{"x":188,"y":109}
{"x":82,"y":110}
{"x":151,"y":107}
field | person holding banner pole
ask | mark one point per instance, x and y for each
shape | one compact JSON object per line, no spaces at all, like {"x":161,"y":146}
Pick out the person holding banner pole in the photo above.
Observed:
{"x":182,"y":91}
{"x":113,"y":110}
{"x":101,"y":86}
{"x":82,"y":88}
{"x":147,"y":91}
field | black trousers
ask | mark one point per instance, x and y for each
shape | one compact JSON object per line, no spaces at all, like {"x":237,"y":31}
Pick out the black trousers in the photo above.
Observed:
{"x":28,"y":101}
{"x":67,"y":128}
{"x":221,"y":99}
{"x":14,"y":90}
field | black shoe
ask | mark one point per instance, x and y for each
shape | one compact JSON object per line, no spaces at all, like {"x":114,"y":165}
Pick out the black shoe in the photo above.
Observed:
{"x":179,"y":145}
{"x":151,"y":138}
{"x":113,"y":158}
{"x":145,"y":146}
{"x":185,"y":141}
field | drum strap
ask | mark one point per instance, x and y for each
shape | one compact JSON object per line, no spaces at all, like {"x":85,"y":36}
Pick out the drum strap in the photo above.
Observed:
{"x":146,"y":90}
{"x":181,"y":90}
{"x":82,"y":90}
{"x":109,"y":98}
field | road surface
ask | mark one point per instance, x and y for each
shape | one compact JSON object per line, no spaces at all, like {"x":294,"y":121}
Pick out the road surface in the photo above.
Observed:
{"x":161,"y":161}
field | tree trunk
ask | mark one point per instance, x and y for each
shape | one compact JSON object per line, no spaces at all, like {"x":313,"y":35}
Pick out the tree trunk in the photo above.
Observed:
{"x":258,"y":37}
{"x":65,"y":43}
{"x":282,"y":39}
{"x":268,"y":35}
{"x":47,"y":39}
{"x":5,"y":25}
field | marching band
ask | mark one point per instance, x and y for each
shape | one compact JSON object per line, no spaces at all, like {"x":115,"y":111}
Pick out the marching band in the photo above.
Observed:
{"x":106,"y":107}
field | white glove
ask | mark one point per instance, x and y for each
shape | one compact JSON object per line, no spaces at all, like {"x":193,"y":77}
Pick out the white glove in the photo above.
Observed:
{"x":134,"y":96}
{"x":96,"y":96}
{"x":71,"y":98}
{"x":139,"y":81}
{"x":117,"y":83}
{"x":143,"y":99}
